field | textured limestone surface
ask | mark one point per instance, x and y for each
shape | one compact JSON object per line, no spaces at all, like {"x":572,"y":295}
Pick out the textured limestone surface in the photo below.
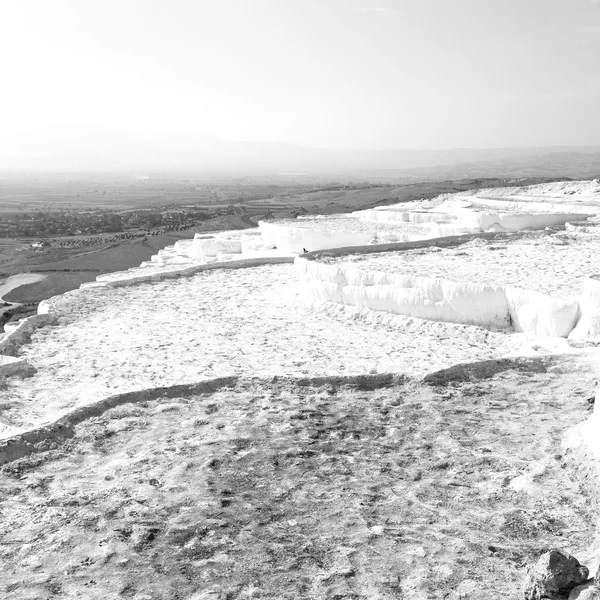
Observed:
{"x":250,"y":321}
{"x":552,"y":264}
{"x":438,"y":490}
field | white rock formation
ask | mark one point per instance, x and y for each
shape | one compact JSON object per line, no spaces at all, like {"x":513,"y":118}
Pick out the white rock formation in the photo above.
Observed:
{"x":448,"y":215}
{"x":533,"y":312}
{"x":211,"y":245}
{"x":439,"y":299}
{"x":457,"y":219}
{"x":293,"y":239}
{"x":588,"y":327}
{"x":423,"y":297}
{"x":504,"y":221}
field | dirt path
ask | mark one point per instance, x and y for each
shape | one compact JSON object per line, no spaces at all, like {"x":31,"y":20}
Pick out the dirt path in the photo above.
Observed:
{"x":275,"y":490}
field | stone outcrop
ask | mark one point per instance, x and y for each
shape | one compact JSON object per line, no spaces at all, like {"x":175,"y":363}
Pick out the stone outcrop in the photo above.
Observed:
{"x":553,"y":576}
{"x":11,"y":365}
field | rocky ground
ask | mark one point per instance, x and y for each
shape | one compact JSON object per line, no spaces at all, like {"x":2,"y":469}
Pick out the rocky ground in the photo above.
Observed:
{"x":419,"y":489}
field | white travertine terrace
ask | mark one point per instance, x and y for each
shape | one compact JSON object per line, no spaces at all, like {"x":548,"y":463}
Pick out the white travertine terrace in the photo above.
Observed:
{"x":213,"y":245}
{"x":461,"y":294}
{"x":521,"y":261}
{"x":472,"y":219}
{"x":365,"y":302}
{"x":484,"y":210}
{"x":511,"y":289}
{"x":515,"y":287}
{"x":248,"y":243}
{"x":471,"y":303}
{"x":216,"y":323}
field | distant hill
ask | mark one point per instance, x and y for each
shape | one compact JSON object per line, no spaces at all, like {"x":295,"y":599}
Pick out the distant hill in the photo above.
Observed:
{"x":108,"y":153}
{"x":574,"y":164}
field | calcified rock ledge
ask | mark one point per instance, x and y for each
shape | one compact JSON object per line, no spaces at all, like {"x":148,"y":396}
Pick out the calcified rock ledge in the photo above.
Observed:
{"x":321,"y":319}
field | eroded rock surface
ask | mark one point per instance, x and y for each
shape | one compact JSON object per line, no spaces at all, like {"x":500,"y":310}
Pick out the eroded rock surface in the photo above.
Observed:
{"x":553,"y":576}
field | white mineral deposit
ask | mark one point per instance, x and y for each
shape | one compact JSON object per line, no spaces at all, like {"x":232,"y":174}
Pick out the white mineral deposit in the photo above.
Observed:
{"x":300,"y":300}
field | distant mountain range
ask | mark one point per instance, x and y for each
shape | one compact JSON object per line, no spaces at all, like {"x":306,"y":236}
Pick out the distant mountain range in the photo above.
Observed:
{"x":576,"y":164}
{"x":108,"y":153}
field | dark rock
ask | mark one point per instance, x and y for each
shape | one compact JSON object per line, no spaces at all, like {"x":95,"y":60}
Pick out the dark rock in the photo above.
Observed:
{"x":553,"y":576}
{"x":588,"y":591}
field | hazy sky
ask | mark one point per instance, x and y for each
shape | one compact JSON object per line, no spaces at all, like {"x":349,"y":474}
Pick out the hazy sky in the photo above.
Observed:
{"x":349,"y":74}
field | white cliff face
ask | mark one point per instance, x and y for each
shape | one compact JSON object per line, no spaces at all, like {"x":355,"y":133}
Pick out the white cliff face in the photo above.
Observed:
{"x":555,"y":265}
{"x":588,"y":327}
{"x":540,"y":314}
{"x":211,"y":245}
{"x":457,"y":219}
{"x":389,"y":215}
{"x":423,"y":297}
{"x":440,"y":300}
{"x":448,"y":215}
{"x":502,"y":221}
{"x":295,"y":239}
